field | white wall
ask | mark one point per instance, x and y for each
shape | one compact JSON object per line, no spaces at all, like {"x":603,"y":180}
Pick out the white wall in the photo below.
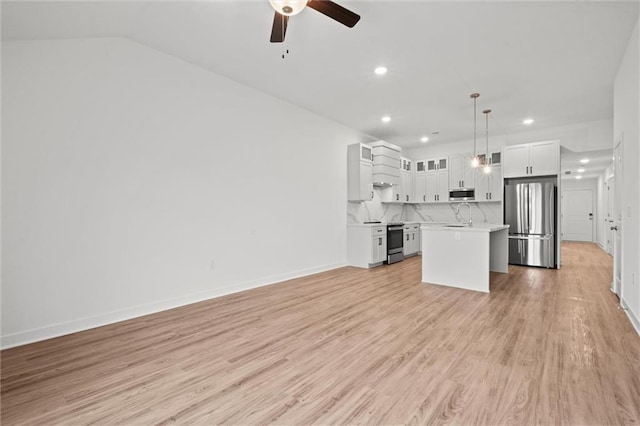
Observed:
{"x":626,"y":106}
{"x":592,"y":184}
{"x":133,"y":182}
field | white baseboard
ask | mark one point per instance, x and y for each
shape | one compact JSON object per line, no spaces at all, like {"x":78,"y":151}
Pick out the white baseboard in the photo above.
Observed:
{"x":635,"y":322}
{"x":87,"y":323}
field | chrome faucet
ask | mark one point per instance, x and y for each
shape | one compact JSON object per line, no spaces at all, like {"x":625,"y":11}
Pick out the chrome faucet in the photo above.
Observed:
{"x":469,"y":222}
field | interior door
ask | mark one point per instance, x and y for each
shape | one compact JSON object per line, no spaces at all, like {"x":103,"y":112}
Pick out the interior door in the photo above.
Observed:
{"x":617,"y":214}
{"x":577,"y":215}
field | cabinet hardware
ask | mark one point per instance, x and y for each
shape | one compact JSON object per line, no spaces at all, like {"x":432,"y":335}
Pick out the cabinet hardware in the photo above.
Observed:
{"x":531,"y":168}
{"x":397,"y":197}
{"x":424,"y":198}
{"x":379,"y":241}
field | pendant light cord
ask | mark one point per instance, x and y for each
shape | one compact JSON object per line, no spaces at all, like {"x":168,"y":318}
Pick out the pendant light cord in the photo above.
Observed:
{"x":486,"y":160}
{"x":474,"y":96}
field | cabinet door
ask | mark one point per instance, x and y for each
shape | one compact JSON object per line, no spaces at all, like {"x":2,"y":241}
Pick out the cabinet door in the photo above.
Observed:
{"x":406,"y":187}
{"x":468,"y":173}
{"x":431,"y":187}
{"x":378,"y":249}
{"x":516,"y":161}
{"x":496,"y":184}
{"x":483,"y":185}
{"x":366,"y":180}
{"x":443,"y":186}
{"x":455,"y":172}
{"x":420,"y":188}
{"x":543,"y":159}
{"x":443,"y":163}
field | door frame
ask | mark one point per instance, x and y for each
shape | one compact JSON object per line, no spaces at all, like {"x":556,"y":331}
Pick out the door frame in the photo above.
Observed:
{"x":618,"y":149}
{"x":609,"y":219}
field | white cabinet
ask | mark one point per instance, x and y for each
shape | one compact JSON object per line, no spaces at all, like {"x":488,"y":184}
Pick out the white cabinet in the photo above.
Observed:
{"x":420,"y":182}
{"x":378,"y":248}
{"x":411,"y":241}
{"x":461,"y":174}
{"x":532,"y":159}
{"x":489,"y":185}
{"x":406,"y":181}
{"x":435,"y":164}
{"x":437,"y":186}
{"x":359,"y":173}
{"x":366,"y":245}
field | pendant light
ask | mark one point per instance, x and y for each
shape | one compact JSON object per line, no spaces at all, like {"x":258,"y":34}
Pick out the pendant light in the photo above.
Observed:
{"x":475,"y":161}
{"x":487,"y":166}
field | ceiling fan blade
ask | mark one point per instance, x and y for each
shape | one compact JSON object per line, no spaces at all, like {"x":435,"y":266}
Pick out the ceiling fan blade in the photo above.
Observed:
{"x":335,"y":11}
{"x":279,"y":28}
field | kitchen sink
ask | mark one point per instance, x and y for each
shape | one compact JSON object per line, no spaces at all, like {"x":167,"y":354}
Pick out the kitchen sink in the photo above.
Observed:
{"x":457,"y":225}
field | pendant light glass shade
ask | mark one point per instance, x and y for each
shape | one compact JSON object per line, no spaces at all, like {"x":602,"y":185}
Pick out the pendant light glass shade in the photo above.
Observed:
{"x":475,"y":161}
{"x":487,"y":166}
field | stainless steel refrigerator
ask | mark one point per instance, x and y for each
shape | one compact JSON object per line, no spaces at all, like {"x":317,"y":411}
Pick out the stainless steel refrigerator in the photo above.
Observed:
{"x":530,"y":210}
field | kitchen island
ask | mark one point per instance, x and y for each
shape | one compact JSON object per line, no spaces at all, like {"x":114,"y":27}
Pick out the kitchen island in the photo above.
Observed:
{"x":462,"y":256}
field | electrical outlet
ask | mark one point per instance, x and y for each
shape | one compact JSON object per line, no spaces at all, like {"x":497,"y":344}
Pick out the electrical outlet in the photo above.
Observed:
{"x":212,"y":264}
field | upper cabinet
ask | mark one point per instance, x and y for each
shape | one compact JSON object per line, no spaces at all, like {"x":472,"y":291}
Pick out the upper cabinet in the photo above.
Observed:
{"x":420,"y":182}
{"x":489,"y":185}
{"x":406,"y":180}
{"x":532,"y":159}
{"x":461,"y":174}
{"x":360,"y":173}
{"x":435,"y":164}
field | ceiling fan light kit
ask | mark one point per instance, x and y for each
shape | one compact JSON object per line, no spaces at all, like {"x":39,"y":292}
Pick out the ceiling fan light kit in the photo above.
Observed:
{"x":286,"y":8}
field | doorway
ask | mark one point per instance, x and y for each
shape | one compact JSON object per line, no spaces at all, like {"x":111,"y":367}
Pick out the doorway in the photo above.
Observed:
{"x":577,"y":215}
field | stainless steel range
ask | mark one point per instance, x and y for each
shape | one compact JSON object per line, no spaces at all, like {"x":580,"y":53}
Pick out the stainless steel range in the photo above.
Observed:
{"x":395,"y":248}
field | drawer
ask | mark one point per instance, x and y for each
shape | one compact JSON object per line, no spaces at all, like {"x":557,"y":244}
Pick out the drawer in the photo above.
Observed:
{"x":379,"y":230}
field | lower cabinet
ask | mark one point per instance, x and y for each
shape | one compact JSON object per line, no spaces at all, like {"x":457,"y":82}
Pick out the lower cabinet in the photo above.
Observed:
{"x":411,"y":241}
{"x":366,"y":245}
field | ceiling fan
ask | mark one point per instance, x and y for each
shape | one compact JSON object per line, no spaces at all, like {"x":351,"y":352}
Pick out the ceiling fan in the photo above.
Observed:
{"x":286,"y":8}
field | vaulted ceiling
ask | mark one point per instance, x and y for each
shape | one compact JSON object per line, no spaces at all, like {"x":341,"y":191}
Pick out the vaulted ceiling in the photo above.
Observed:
{"x":553,"y":61}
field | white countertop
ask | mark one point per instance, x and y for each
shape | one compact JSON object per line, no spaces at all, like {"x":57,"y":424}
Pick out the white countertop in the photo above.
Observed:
{"x":481,"y":227}
{"x":411,"y":222}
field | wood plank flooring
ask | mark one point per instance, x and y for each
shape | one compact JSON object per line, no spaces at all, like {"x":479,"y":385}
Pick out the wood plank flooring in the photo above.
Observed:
{"x":351,"y":346}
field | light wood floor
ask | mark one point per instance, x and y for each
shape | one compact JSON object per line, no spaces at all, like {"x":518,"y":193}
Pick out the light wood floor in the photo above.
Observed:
{"x":351,"y":346}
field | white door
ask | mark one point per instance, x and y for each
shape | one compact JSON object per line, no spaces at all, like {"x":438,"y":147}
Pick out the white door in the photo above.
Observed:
{"x":608,"y":221}
{"x":617,"y":215}
{"x":577,"y":215}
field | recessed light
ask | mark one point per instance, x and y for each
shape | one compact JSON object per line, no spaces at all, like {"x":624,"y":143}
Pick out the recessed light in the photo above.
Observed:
{"x":527,"y":121}
{"x":424,"y":139}
{"x":581,"y":170}
{"x":584,"y":161}
{"x":578,"y":177}
{"x":386,"y":119}
{"x":380,"y":70}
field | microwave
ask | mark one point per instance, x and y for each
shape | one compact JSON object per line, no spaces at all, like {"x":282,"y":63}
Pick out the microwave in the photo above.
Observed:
{"x":462,"y":194}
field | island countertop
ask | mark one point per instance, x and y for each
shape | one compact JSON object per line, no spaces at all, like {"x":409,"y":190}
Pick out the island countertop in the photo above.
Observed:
{"x":481,"y":227}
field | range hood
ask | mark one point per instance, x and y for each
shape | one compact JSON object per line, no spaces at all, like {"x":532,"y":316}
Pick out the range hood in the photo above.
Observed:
{"x":386,"y":163}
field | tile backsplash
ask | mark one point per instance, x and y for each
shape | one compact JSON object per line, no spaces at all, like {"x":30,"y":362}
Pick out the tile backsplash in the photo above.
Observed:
{"x":358,"y":212}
